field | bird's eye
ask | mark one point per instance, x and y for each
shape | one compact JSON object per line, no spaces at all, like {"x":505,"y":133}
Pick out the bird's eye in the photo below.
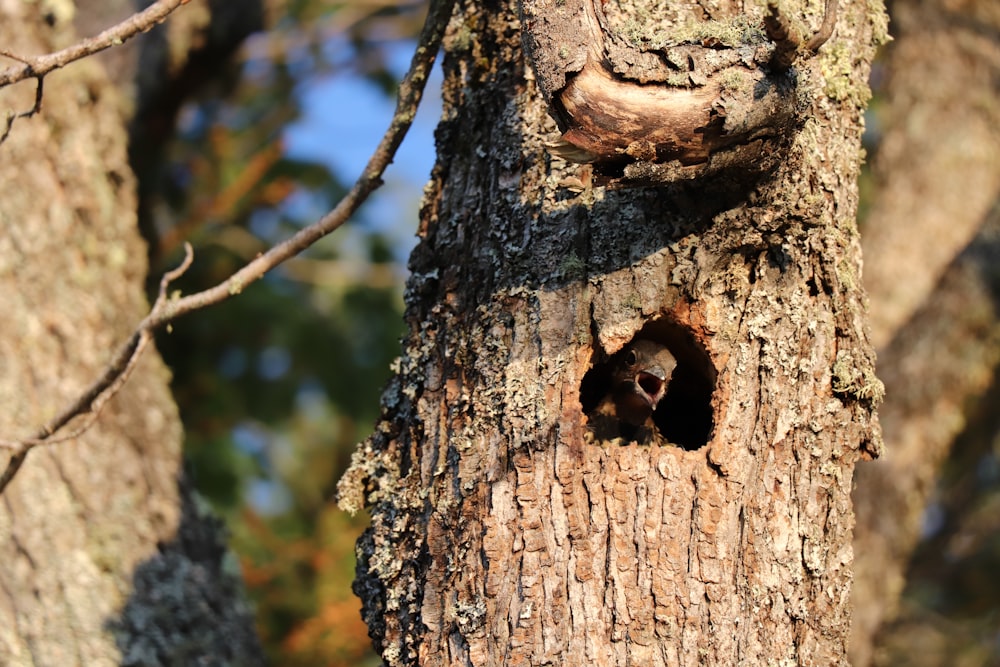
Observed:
{"x":632,"y":358}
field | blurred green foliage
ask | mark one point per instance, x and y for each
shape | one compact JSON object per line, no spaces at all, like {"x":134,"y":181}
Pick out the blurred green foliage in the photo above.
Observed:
{"x":277,"y":386}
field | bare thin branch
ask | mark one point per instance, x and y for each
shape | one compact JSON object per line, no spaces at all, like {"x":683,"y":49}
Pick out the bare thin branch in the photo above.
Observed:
{"x":39,"y":82}
{"x":787,"y":43}
{"x":92,"y":412}
{"x":825,"y":30}
{"x":167,"y":309}
{"x":38,"y":66}
{"x":96,"y":396}
{"x":410,"y":92}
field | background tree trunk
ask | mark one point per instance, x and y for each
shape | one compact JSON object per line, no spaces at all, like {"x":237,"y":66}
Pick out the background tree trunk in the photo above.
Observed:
{"x":937,"y":169}
{"x":502,"y":533}
{"x":934,"y":370}
{"x":936,"y":179}
{"x":108,"y":558}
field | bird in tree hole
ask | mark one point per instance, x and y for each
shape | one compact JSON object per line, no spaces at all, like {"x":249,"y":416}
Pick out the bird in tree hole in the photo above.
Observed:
{"x":639,"y":375}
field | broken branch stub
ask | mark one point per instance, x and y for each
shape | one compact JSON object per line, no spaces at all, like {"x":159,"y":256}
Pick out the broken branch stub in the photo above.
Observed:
{"x":666,"y":98}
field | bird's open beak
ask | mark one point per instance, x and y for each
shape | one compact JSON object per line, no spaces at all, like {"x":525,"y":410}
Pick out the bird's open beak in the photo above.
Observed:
{"x":651,"y":385}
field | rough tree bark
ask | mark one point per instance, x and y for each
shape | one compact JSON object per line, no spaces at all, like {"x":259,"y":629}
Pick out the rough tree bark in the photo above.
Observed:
{"x":108,"y":559}
{"x":502,"y":532}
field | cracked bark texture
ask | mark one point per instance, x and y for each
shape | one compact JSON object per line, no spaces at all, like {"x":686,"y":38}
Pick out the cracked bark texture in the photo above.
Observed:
{"x":502,"y":534}
{"x":108,"y":558}
{"x":937,"y":184}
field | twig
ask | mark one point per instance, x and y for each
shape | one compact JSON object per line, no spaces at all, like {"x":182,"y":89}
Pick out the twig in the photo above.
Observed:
{"x":166,"y":309}
{"x":11,"y":117}
{"x":825,"y":30}
{"x":36,"y":67}
{"x":787,"y":43}
{"x":93,"y":399}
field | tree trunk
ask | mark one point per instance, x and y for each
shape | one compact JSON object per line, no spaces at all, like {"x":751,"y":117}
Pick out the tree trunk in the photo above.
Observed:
{"x":503,"y":530}
{"x":937,"y":170}
{"x":937,"y":181}
{"x":934,"y":369}
{"x":108,"y":558}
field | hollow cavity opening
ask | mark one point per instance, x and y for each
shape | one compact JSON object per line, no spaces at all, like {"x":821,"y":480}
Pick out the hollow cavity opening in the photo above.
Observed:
{"x":656,"y":390}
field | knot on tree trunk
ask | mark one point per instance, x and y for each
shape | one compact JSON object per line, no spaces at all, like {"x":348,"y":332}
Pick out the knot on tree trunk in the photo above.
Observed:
{"x":697,"y":99}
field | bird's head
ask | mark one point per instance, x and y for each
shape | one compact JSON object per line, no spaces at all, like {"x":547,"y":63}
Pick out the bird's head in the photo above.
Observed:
{"x":640,"y":377}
